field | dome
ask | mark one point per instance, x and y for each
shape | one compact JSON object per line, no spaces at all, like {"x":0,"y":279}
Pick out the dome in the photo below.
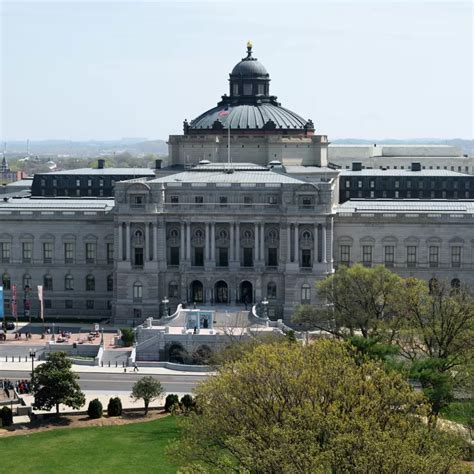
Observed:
{"x":249,"y":67}
{"x":266,"y":116}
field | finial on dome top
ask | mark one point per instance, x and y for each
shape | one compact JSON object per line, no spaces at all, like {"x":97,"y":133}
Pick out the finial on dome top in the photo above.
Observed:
{"x":249,"y":49}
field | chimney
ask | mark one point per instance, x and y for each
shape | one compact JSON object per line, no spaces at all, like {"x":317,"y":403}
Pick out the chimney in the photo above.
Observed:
{"x":416,"y":166}
{"x":157,"y":164}
{"x":356,"y":166}
{"x":100,"y":164}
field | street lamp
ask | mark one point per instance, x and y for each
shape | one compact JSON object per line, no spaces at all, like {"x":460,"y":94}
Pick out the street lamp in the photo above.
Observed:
{"x":102,"y":337}
{"x":53,"y":338}
{"x":32,"y":355}
{"x":166,"y":306}
{"x":265,"y":308}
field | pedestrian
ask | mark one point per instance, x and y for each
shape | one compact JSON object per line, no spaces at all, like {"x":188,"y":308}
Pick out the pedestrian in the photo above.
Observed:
{"x":135,"y":367}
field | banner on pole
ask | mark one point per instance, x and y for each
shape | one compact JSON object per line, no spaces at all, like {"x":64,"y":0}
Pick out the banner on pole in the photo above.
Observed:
{"x":2,"y":311}
{"x":40,"y":297}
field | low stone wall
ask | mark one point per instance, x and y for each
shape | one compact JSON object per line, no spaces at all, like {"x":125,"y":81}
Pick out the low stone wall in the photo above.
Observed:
{"x":178,"y":367}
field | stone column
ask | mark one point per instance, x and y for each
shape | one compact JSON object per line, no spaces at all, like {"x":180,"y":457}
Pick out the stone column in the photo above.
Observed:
{"x":232,"y":243}
{"x":182,"y":255}
{"x":262,"y":242}
{"x":288,"y":243}
{"x":120,"y":242}
{"x":257,"y":244}
{"x":207,"y":238}
{"x":155,"y":241}
{"x":213,"y":242}
{"x":237,"y":242}
{"x":188,"y":240}
{"x":315,"y":244}
{"x":324,"y":243}
{"x":297,"y":249}
{"x":127,"y":242}
{"x":147,"y":242}
{"x":331,"y":240}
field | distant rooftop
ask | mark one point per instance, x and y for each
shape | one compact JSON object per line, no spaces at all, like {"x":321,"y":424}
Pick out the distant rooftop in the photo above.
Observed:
{"x":44,"y":204}
{"x":406,"y":206}
{"x":104,"y":171}
{"x":392,"y":172}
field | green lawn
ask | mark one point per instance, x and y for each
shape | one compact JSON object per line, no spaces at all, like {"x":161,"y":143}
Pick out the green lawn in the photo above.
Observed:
{"x":459,"y":411}
{"x":137,"y":447}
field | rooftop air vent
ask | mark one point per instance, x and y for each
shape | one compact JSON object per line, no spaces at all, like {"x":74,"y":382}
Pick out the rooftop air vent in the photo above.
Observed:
{"x":416,"y":166}
{"x":356,"y":166}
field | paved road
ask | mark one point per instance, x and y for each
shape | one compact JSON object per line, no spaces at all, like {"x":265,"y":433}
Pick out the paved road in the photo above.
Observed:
{"x":121,"y":382}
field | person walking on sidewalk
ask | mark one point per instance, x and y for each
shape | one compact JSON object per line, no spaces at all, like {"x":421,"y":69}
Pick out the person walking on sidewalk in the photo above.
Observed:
{"x":135,"y":367}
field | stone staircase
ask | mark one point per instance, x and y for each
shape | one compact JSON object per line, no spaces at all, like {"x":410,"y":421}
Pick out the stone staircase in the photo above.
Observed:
{"x":113,"y":356}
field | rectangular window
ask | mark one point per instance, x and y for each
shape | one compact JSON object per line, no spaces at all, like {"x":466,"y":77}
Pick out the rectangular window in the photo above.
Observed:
{"x":248,"y":257}
{"x":306,"y":202}
{"x":272,"y":257}
{"x":372,"y":183}
{"x":389,"y":255}
{"x":174,"y":200}
{"x":110,"y":252}
{"x":90,"y":304}
{"x":199,"y":200}
{"x":272,"y":200}
{"x":456,"y":256}
{"x":138,"y":256}
{"x":411,"y":255}
{"x":138,"y":201}
{"x":68,"y":252}
{"x":223,"y":201}
{"x":359,"y":184}
{"x":367,"y":255}
{"x":247,"y":88}
{"x":47,"y":304}
{"x":223,"y":257}
{"x":433,"y":255}
{"x":306,"y":258}
{"x":345,"y":254}
{"x":198,"y":256}
{"x":174,"y":256}
{"x":90,"y":252}
{"x":47,"y":252}
{"x":27,"y":251}
{"x":5,"y":251}
{"x":248,"y":200}
{"x":68,"y":304}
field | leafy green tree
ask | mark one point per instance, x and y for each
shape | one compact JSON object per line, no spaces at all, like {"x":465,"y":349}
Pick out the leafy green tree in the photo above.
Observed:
{"x":359,"y":300}
{"x":128,"y":336}
{"x":288,"y":408}
{"x":147,"y":389}
{"x":54,"y":383}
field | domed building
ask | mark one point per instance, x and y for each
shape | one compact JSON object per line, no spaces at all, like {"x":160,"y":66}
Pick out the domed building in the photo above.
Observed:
{"x":258,"y":128}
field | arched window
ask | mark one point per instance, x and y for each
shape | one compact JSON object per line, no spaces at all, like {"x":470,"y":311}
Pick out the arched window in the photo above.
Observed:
{"x":172,"y":289}
{"x":271,"y":290}
{"x":26,"y":281}
{"x":48,"y":283}
{"x":69,"y":282}
{"x":198,"y":233}
{"x":90,"y":283}
{"x":110,"y":283}
{"x":307,"y":235}
{"x":6,"y":281}
{"x":138,"y":234}
{"x":174,"y":234}
{"x":247,"y":234}
{"x":223,"y":234}
{"x":137,"y":291}
{"x":305,"y":294}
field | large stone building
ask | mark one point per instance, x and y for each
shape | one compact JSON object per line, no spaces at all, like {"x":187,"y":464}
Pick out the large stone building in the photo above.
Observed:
{"x":221,"y":226}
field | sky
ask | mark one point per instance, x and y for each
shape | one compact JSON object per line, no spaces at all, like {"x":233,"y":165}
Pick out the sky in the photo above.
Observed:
{"x":115,"y":69}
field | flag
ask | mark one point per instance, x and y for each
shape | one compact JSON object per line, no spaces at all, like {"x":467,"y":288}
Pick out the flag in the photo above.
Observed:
{"x":40,"y":298}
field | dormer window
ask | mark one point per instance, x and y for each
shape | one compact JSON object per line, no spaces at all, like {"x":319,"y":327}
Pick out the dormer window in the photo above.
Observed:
{"x":138,"y":200}
{"x":235,"y":89}
{"x":247,"y":88}
{"x":261,"y":89}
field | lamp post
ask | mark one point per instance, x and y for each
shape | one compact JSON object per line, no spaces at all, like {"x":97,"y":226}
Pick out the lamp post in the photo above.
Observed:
{"x":32,"y":355}
{"x":54,"y":338}
{"x":102,"y":337}
{"x":166,"y":306}
{"x":265,"y":308}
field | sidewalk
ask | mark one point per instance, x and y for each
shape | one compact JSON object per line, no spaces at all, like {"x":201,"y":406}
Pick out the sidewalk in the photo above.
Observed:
{"x":26,"y":367}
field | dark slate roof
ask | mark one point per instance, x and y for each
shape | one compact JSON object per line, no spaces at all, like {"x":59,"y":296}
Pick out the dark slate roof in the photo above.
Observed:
{"x":249,"y":67}
{"x":249,"y":116}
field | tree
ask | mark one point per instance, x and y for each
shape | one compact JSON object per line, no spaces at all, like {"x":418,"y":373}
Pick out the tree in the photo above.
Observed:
{"x":359,"y":299}
{"x":147,"y":389}
{"x":128,"y":336}
{"x":313,"y":408}
{"x":95,"y":408}
{"x":54,"y":383}
{"x":114,"y":408}
{"x":6,"y":416}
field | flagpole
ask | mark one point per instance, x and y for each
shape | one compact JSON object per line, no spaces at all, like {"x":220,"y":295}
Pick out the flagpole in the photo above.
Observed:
{"x":228,"y":146}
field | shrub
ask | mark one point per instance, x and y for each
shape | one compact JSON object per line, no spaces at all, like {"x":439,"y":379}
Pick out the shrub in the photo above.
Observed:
{"x":114,"y":408}
{"x":95,"y":409}
{"x":7,"y":416}
{"x":128,"y":336}
{"x":171,"y":401}
{"x":187,"y":403}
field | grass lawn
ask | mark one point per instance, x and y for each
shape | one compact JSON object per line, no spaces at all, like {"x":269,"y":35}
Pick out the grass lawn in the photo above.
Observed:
{"x":459,"y":411}
{"x":135,"y":447}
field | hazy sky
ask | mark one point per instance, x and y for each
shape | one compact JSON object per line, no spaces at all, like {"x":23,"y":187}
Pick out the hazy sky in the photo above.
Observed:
{"x":105,"y":70}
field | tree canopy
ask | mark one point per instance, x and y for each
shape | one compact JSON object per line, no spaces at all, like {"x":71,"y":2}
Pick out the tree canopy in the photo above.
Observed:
{"x":147,"y":389}
{"x":286,"y":408}
{"x":54,"y":383}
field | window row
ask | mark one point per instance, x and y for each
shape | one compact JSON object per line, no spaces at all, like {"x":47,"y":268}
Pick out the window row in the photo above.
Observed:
{"x":63,"y":304}
{"x":69,"y":252}
{"x":411,"y":253}
{"x":223,"y":201}
{"x":90,"y":282}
